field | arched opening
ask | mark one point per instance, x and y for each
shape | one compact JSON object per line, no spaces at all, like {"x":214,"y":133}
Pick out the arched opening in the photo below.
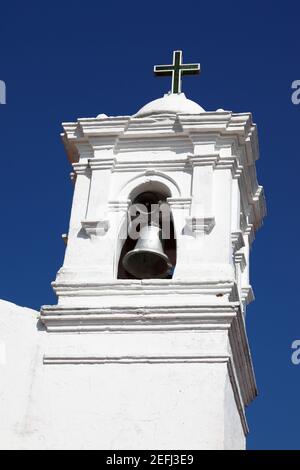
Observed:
{"x":149,"y":252}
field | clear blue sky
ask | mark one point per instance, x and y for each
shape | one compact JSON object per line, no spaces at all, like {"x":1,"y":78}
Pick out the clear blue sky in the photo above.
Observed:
{"x":69,"y":59}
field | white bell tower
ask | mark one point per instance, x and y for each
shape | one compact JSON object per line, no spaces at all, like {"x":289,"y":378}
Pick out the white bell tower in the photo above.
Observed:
{"x":158,"y":362}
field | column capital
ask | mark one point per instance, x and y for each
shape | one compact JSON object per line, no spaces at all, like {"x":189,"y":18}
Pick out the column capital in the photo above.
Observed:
{"x":237,"y":240}
{"x":239,"y":258}
{"x":200,"y":225}
{"x":94,"y":228}
{"x":247,"y":294}
{"x":101,"y":163}
{"x":80,"y":167}
{"x":119,"y":206}
{"x":209,"y":159}
{"x":179,"y":202}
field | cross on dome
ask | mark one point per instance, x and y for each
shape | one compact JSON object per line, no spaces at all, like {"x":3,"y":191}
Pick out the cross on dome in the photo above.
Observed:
{"x":177,"y":69}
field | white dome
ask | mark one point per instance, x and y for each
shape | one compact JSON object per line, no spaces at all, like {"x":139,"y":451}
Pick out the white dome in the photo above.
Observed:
{"x":170,"y":104}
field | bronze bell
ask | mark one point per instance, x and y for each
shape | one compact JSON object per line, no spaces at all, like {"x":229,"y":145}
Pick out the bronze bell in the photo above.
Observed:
{"x":148,"y":260}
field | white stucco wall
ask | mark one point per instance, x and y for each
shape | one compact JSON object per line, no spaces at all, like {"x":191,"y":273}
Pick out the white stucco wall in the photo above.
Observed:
{"x":110,"y":405}
{"x":19,"y":365}
{"x":234,"y":437}
{"x":133,"y":406}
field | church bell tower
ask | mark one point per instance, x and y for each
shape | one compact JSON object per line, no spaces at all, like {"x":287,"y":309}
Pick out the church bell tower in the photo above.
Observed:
{"x":148,"y":334}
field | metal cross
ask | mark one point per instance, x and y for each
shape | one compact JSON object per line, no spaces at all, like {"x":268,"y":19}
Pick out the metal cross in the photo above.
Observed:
{"x":177,"y":69}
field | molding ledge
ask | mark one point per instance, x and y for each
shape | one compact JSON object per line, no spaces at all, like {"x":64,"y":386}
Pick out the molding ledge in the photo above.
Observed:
{"x":200,"y":225}
{"x":247,"y":295}
{"x":239,"y":258}
{"x":150,"y":288}
{"x":237,"y":241}
{"x":179,"y":202}
{"x":81,"y":167}
{"x":94,"y":228}
{"x":141,"y":359}
{"x":139,"y":318}
{"x":119,"y":205}
{"x":209,"y":159}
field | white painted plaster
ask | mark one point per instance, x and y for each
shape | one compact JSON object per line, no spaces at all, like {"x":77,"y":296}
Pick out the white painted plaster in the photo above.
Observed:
{"x":137,"y":364}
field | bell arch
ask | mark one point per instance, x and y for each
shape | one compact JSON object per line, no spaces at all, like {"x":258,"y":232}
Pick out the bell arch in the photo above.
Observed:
{"x":160,"y":250}
{"x":154,"y":178}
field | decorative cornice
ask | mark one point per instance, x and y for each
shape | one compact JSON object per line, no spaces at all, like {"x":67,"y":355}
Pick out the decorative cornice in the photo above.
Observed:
{"x":179,"y":202}
{"x":249,"y":231}
{"x":239,"y":258}
{"x":219,"y":123}
{"x":237,"y":240}
{"x":200,"y":225}
{"x":119,"y":206}
{"x":154,"y":141}
{"x":106,"y":126}
{"x":209,"y":159}
{"x":94,"y":228}
{"x":247,"y":295}
{"x":230,"y":163}
{"x":135,"y":288}
{"x":105,"y":163}
{"x":161,"y":359}
{"x":81,"y":167}
{"x":131,"y":318}
{"x":94,"y":127}
{"x":259,"y":204}
{"x":163,"y":164}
